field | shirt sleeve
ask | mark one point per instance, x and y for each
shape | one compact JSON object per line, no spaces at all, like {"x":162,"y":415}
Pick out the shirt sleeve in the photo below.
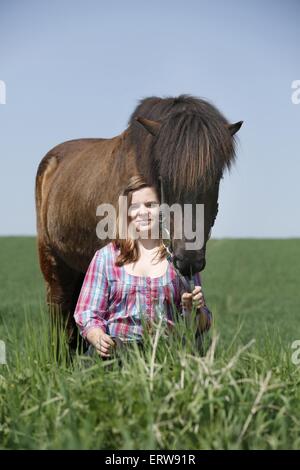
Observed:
{"x":92,"y":306}
{"x":204,"y":309}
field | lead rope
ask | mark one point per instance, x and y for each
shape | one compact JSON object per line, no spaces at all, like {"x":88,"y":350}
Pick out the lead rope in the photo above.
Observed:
{"x":189,"y":286}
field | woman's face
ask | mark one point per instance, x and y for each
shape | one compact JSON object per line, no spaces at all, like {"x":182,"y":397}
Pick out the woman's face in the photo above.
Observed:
{"x":143,"y":211}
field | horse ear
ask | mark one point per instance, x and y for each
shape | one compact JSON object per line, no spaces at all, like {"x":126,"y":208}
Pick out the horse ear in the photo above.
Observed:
{"x":234,"y":128}
{"x":150,"y":126}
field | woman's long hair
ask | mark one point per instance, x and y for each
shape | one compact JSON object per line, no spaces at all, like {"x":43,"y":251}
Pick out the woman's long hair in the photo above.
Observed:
{"x":129,"y":251}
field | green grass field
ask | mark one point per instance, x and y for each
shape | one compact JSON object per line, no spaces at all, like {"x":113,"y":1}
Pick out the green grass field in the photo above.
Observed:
{"x":244,"y":394}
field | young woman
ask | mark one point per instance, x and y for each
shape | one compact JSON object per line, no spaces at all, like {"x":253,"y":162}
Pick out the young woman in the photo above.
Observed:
{"x":130,"y":279}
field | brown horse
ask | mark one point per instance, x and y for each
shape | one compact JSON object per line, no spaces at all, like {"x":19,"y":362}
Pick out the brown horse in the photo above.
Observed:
{"x":185,"y":140}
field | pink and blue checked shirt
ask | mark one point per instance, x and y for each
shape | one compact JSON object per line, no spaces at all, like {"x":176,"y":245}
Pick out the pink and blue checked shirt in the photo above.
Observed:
{"x":116,"y":301}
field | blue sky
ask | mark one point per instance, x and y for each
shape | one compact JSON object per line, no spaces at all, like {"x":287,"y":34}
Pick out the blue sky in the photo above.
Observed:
{"x":76,"y":69}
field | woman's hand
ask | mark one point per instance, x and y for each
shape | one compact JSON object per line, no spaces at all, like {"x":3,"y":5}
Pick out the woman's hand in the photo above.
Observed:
{"x":195,"y":298}
{"x":101,"y":341}
{"x":104,"y":344}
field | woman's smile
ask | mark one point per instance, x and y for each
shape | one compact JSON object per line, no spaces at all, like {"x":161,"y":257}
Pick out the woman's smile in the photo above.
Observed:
{"x":143,"y":221}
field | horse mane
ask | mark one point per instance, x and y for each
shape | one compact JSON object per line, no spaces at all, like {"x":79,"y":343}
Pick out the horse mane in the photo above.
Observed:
{"x":192,"y":148}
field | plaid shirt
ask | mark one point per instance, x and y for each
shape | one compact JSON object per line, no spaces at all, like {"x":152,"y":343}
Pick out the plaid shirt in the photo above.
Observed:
{"x":115,"y":300}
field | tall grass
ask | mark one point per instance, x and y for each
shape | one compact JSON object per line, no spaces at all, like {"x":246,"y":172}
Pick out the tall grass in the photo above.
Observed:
{"x":242,"y":394}
{"x":167,"y":397}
